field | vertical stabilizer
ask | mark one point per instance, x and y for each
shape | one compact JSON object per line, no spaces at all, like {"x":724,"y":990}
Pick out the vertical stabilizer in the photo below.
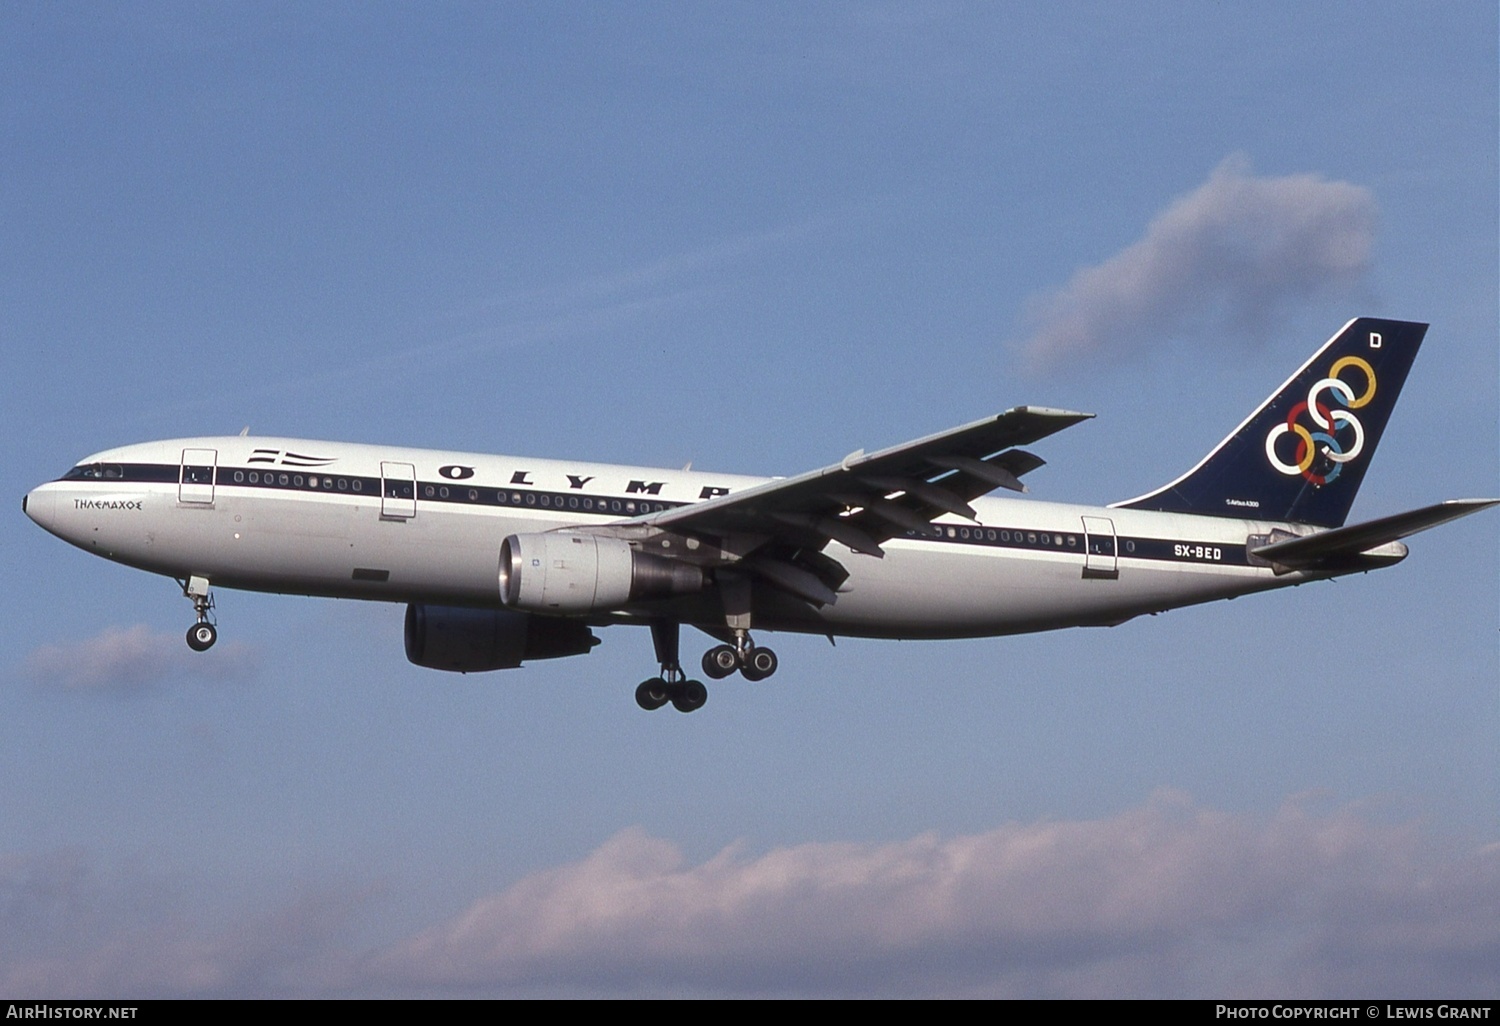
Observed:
{"x":1301,"y":456}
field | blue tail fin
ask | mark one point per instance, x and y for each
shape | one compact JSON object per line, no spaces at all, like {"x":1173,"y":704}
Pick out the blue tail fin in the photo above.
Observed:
{"x":1303,"y":454}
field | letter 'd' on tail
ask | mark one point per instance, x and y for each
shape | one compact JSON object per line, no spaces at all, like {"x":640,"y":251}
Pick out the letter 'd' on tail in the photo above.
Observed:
{"x":1302,"y":455}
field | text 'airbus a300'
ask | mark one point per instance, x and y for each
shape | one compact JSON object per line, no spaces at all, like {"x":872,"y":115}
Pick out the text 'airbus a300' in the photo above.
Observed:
{"x":503,"y":559}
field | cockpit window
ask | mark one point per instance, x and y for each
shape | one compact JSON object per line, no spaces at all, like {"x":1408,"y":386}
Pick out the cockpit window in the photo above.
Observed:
{"x":95,"y":472}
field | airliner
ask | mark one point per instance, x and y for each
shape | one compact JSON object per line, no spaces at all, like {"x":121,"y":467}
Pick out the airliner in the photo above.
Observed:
{"x":504,"y":559}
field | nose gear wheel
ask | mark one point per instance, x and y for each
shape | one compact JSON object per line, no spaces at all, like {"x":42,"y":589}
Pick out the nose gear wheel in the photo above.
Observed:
{"x":201,"y":637}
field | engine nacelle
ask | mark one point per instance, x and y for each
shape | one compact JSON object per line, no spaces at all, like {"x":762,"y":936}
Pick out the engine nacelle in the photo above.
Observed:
{"x":566,"y":572}
{"x":470,"y":640}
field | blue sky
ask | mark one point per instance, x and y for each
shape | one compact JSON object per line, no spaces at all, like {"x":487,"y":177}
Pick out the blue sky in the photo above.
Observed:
{"x":756,"y":237}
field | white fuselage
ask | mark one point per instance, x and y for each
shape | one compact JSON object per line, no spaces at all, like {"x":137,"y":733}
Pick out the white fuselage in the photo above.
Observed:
{"x":411,"y":525}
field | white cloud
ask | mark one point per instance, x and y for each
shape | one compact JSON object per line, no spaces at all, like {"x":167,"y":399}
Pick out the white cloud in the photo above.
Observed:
{"x":1222,"y":261}
{"x":1167,"y":899}
{"x":120,"y":659}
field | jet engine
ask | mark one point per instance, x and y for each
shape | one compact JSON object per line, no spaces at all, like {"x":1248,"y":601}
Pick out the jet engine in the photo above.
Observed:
{"x":565,"y":572}
{"x":470,"y":640}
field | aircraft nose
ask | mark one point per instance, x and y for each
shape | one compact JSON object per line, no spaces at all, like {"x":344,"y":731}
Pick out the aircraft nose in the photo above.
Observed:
{"x":40,"y":504}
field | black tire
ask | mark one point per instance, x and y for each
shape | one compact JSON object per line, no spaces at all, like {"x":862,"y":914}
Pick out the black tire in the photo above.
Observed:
{"x":759,"y":664}
{"x":653,"y":694}
{"x":720,"y":661}
{"x":691,"y":696}
{"x":201,"y":637}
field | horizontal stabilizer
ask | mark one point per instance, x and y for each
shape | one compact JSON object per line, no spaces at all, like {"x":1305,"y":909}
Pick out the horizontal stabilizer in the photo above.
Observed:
{"x":1337,"y":548}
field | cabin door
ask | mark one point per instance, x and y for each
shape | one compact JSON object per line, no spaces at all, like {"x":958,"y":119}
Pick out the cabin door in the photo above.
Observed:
{"x":398,"y":491}
{"x":195,"y":478}
{"x":1099,"y":559}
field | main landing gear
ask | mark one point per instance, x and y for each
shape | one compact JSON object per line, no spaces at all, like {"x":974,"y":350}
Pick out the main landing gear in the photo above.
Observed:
{"x":753,"y":662}
{"x":201,"y":635}
{"x":673,"y":685}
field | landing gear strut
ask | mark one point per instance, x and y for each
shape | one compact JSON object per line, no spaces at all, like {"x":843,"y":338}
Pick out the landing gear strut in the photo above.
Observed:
{"x":201,"y":635}
{"x":673,"y":685}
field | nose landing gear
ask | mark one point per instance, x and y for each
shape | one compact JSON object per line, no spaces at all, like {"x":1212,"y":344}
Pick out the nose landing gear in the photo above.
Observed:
{"x":201,"y":635}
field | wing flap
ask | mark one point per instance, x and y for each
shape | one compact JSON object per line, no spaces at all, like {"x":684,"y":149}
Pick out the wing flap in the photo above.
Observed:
{"x":789,"y":577}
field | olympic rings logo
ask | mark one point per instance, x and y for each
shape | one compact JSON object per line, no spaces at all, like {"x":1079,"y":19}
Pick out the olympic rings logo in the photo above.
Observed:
{"x":1335,"y":432}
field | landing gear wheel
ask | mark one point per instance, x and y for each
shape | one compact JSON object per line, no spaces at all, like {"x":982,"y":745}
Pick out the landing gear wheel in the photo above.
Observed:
{"x":760,"y":663}
{"x":201,"y":637}
{"x":720,"y":661}
{"x":653,"y":694}
{"x":690,"y":696}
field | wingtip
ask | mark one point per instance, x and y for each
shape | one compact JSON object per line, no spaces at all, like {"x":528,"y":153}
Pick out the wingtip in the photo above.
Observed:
{"x":1050,"y":411}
